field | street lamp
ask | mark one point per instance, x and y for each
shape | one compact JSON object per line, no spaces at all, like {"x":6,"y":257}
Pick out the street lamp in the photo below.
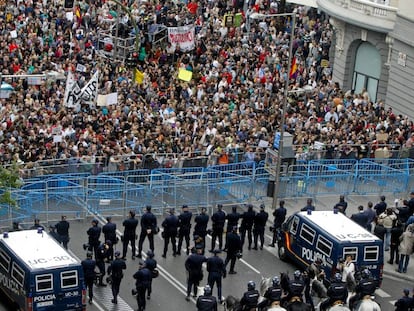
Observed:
{"x":285,"y":95}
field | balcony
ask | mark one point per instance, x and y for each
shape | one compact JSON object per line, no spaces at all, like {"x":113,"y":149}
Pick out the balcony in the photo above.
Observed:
{"x":362,"y":13}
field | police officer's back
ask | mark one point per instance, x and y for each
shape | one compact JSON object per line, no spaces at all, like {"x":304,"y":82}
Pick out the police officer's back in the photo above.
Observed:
{"x":337,"y":291}
{"x":62,"y":230}
{"x":274,"y":292}
{"x":184,"y":223}
{"x":296,"y":285}
{"x":207,"y":302}
{"x":218,"y":219}
{"x":88,"y":266}
{"x":367,"y":285}
{"x":260,"y":220}
{"x":201,"y":222}
{"x":250,"y":298}
{"x":109,"y":231}
{"x":232,"y":219}
{"x":130,"y":225}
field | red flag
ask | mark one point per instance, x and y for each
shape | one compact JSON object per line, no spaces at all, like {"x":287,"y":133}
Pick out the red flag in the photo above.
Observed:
{"x":293,"y":69}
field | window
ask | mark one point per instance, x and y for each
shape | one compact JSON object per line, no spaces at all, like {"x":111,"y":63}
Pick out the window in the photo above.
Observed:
{"x":371,"y":253}
{"x":353,"y":251}
{"x":294,"y":227}
{"x":324,"y":245}
{"x":4,"y":261}
{"x":18,"y":274}
{"x":69,"y":279}
{"x":307,"y":233}
{"x":44,"y":282}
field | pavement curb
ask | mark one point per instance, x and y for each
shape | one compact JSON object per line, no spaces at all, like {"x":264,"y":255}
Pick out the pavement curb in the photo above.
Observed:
{"x":398,"y":275}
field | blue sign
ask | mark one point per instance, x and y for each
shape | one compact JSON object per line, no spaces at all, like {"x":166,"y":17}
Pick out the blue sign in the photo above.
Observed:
{"x":276,"y":142}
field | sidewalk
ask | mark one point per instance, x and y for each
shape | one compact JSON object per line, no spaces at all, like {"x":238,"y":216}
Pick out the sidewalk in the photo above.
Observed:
{"x":327,"y":203}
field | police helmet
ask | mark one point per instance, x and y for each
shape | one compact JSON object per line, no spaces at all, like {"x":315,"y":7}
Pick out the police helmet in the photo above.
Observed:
{"x":297,"y":274}
{"x":251,"y":285}
{"x":275,"y":281}
{"x":207,"y":290}
{"x":338,"y":277}
{"x":366,"y":273}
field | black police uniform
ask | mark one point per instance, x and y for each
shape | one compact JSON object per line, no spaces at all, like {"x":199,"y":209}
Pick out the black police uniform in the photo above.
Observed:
{"x":206,"y":303}
{"x":296,"y":287}
{"x":109,"y":231}
{"x":151,"y":265}
{"x":404,"y":304}
{"x":89,"y":273}
{"x":200,"y":228}
{"x":94,"y":233}
{"x":249,"y":300}
{"x":247,"y":225}
{"x":101,"y":256}
{"x":143,"y":279}
{"x":273,"y":293}
{"x":234,"y":246}
{"x":365,"y":287}
{"x":148,"y":226}
{"x":184,"y":230}
{"x":130,"y":225}
{"x":62,"y":230}
{"x":115,"y":270}
{"x":218,"y":219}
{"x":279,"y":218}
{"x":232,"y":220}
{"x":170,"y":225}
{"x":337,"y":291}
{"x":216,"y":271}
{"x":259,"y":228}
{"x":194,"y":267}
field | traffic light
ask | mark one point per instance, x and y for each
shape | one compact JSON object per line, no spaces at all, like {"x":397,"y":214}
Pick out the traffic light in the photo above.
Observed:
{"x":132,"y":60}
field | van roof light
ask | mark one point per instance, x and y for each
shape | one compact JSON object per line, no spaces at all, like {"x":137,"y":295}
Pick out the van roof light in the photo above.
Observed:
{"x":335,"y":210}
{"x":40,"y":230}
{"x":309,"y":212}
{"x":5,"y":235}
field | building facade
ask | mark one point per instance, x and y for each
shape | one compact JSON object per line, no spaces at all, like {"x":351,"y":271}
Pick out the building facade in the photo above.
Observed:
{"x":373,"y":49}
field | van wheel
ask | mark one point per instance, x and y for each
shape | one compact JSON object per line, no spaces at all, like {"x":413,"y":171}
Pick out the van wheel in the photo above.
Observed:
{"x":282,"y":252}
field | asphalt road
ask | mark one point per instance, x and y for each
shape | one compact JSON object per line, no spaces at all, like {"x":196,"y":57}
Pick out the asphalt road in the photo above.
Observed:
{"x":170,"y":287}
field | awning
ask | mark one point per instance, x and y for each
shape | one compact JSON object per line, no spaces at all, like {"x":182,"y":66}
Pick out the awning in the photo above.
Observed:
{"x":311,"y":3}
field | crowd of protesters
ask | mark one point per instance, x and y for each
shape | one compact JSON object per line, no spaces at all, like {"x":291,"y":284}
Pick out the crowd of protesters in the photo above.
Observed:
{"x":233,"y":101}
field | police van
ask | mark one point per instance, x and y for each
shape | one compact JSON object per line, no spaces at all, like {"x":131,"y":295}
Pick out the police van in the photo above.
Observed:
{"x":38,"y":274}
{"x":330,"y":236}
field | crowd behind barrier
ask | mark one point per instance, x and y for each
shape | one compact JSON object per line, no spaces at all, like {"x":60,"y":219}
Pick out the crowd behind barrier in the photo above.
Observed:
{"x":232,"y":102}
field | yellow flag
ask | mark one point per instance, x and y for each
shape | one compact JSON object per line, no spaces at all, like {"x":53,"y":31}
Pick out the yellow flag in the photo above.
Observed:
{"x":185,"y":75}
{"x":138,"y":76}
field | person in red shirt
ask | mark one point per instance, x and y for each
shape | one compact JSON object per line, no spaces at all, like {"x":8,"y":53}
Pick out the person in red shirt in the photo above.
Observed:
{"x":192,"y":7}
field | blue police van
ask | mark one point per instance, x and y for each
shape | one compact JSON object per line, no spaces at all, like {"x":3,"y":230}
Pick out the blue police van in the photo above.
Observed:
{"x":38,"y":274}
{"x":330,"y":236}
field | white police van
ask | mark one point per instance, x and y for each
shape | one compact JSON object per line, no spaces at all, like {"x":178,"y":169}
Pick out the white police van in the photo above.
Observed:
{"x":331,"y":236}
{"x":38,"y":274}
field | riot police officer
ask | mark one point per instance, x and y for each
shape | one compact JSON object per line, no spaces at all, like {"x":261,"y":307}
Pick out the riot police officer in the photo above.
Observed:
{"x":170,"y":225}
{"x":116,"y":273}
{"x":184,"y":229}
{"x":94,"y":233}
{"x":143,"y":279}
{"x":273,"y":293}
{"x":62,"y":230}
{"x":296,"y":286}
{"x":207,"y":302}
{"x":101,"y":256}
{"x":109,"y":231}
{"x":148,"y":227}
{"x":250,"y":298}
{"x":218,"y":219}
{"x":259,"y":226}
{"x":365,"y":287}
{"x":216,"y":271}
{"x":247,"y":225}
{"x":200,"y":228}
{"x":234,"y":247}
{"x":151,"y":265}
{"x":337,"y":291}
{"x":89,"y":273}
{"x":130,"y":225}
{"x":194,"y":267}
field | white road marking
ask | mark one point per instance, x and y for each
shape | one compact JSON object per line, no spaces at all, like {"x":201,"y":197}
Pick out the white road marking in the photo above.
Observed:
{"x":392,"y":302}
{"x":381,"y":293}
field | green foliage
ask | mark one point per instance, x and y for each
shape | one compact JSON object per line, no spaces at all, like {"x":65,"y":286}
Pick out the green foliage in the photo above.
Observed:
{"x":9,"y":180}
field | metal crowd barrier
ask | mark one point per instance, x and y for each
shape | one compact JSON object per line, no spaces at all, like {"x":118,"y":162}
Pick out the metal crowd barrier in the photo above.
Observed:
{"x":115,"y":193}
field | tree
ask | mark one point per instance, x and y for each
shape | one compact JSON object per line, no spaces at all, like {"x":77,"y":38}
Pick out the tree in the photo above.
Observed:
{"x":9,"y":179}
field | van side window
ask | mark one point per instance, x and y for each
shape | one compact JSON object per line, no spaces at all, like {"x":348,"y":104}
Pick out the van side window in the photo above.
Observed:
{"x":4,"y":260}
{"x":353,"y":251}
{"x":17,"y":274}
{"x":294,"y":225}
{"x":69,"y":279}
{"x":307,"y":233}
{"x":44,"y":282}
{"x":324,"y":245}
{"x":371,"y":253}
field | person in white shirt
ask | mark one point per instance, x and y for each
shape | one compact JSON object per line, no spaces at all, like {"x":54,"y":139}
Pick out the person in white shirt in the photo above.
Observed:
{"x":348,"y":270}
